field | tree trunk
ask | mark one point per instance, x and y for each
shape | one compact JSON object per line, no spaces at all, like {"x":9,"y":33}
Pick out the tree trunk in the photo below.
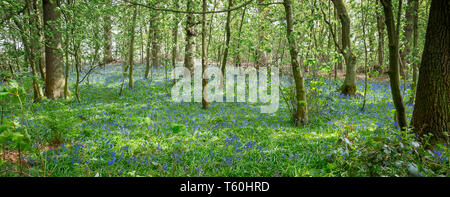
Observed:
{"x":408,"y":31}
{"x":107,"y":48}
{"x":261,"y":59}
{"x":30,"y":43}
{"x":363,"y":16}
{"x":227,"y":38}
{"x":66,"y":71}
{"x":147,"y":59}
{"x":394,"y":75}
{"x":155,"y":43}
{"x":301,"y":113}
{"x":210,"y":28}
{"x":415,"y":52}
{"x":40,"y":27}
{"x":107,"y":52}
{"x":349,"y":86}
{"x":131,"y":50}
{"x":205,"y":103}
{"x":238,"y":47}
{"x":175,"y":37}
{"x":190,"y":41}
{"x":35,"y":47}
{"x":380,"y":27}
{"x":432,"y":109}
{"x":77,"y":67}
{"x":54,"y":82}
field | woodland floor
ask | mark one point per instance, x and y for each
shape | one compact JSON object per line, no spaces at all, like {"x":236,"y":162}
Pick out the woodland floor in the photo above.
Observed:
{"x":144,"y":133}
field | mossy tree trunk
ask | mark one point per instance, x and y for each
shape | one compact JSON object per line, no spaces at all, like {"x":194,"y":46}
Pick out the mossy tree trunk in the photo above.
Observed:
{"x":301,"y":113}
{"x":349,"y":86}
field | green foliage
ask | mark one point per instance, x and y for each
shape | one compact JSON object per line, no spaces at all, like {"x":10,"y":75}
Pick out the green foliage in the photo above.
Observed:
{"x":12,"y":133}
{"x":392,"y":155}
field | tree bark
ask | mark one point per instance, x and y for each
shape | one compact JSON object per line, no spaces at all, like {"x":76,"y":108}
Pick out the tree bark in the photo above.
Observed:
{"x":54,"y":80}
{"x":107,"y":33}
{"x":147,"y":50}
{"x":238,"y":47}
{"x":380,"y":28}
{"x":107,"y":53}
{"x":205,"y":103}
{"x":432,"y":108}
{"x":408,"y":32}
{"x":301,"y":113}
{"x":394,"y":75}
{"x":131,"y":50}
{"x":190,"y":41}
{"x":415,"y":52}
{"x":155,"y":43}
{"x":349,"y":86}
{"x":40,"y":27}
{"x":227,"y":38}
{"x":261,"y":59}
{"x":31,"y":43}
{"x":175,"y":37}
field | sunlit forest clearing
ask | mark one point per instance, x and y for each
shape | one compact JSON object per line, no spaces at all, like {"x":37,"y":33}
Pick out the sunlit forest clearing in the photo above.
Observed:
{"x":87,"y":88}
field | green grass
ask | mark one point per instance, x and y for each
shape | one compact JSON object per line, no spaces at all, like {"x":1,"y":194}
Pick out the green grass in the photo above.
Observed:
{"x":143,"y":133}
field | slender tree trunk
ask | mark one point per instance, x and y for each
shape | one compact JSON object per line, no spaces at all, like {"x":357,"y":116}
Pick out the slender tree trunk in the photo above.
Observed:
{"x":175,"y":37}
{"x":11,"y":69}
{"x":363,"y":16}
{"x":261,"y":59}
{"x":77,"y":58}
{"x":66,"y":57}
{"x":432,"y":109}
{"x":380,"y":28}
{"x":394,"y":74}
{"x":338,"y":64}
{"x":149,"y":42}
{"x":210,"y":28}
{"x":30,"y":47}
{"x":34,"y":47}
{"x":131,"y":49}
{"x":408,"y":32}
{"x":415,"y":52}
{"x":227,"y":38}
{"x":205,"y":103}
{"x":301,"y":113}
{"x":40,"y":28}
{"x":349,"y":86}
{"x":54,"y":80}
{"x":141,"y":32}
{"x":238,"y":47}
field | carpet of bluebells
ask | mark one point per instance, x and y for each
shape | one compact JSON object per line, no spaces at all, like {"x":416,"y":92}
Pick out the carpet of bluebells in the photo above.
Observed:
{"x":143,"y":133}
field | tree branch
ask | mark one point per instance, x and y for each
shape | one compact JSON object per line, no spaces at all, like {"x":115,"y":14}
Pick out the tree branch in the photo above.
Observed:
{"x":188,"y":12}
{"x":331,"y":30}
